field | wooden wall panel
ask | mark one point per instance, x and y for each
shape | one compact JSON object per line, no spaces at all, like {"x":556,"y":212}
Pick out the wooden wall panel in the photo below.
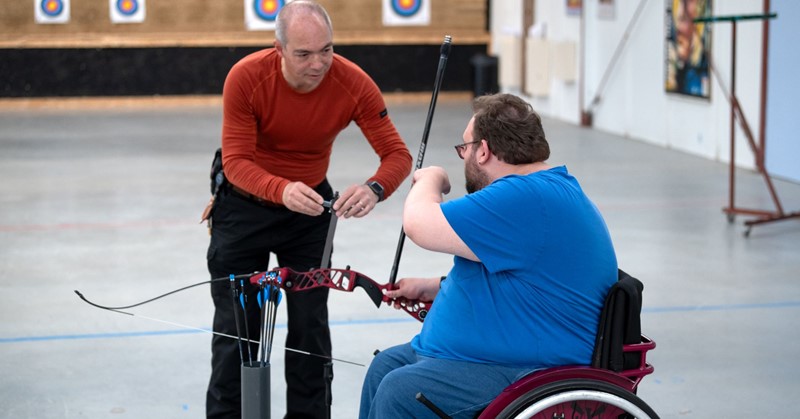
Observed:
{"x":221,"y":22}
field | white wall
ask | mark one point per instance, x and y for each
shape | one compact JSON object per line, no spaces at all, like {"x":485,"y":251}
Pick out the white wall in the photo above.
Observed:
{"x":783,"y":125}
{"x":634,"y":102}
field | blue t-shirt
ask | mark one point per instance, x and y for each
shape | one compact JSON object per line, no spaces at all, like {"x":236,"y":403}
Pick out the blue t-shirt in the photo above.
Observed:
{"x":547,"y":263}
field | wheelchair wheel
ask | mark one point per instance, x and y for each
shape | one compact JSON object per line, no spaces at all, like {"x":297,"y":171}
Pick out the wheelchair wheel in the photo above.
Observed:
{"x":578,"y":398}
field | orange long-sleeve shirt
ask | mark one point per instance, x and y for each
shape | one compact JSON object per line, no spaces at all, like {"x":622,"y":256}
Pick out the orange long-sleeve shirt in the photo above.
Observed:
{"x":273,"y":135}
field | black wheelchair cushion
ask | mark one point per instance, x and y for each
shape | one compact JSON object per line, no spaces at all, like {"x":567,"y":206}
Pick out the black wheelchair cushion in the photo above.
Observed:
{"x":620,"y":324}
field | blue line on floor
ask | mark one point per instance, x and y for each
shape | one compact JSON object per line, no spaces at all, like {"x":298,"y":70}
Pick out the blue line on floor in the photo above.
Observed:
{"x":722,"y":307}
{"x":176,"y":332}
{"x":98,"y":336}
{"x":646,"y":310}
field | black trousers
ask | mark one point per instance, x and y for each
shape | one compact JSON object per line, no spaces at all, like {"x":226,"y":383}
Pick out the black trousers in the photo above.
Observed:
{"x":243,"y":235}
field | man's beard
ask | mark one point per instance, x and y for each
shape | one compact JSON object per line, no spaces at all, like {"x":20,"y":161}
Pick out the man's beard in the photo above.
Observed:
{"x":477,"y":179}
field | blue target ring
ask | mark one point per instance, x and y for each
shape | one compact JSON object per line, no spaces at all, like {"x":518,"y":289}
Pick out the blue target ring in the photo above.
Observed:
{"x":406,"y":8}
{"x":268,"y":9}
{"x":127,"y":7}
{"x":52,"y":8}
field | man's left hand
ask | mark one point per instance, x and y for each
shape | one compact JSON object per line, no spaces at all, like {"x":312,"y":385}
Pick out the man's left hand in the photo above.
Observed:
{"x":356,"y":201}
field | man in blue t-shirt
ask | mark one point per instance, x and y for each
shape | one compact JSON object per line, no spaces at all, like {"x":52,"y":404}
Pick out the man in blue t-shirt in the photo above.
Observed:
{"x":533,"y":262}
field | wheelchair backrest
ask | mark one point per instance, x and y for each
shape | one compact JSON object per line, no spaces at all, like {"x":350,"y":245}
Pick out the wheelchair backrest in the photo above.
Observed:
{"x":619,"y":325}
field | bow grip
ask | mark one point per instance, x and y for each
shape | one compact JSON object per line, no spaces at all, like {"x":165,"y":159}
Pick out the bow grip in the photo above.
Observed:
{"x":373,"y":290}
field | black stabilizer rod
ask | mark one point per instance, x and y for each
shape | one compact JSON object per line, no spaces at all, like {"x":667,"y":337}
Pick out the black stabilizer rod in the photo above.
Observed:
{"x":444,"y":52}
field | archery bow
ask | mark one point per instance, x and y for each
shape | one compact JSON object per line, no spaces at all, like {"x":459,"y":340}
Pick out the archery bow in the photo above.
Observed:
{"x":337,"y":279}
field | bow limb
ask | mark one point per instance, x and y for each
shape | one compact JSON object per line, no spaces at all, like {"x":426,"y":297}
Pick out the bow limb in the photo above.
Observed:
{"x":158,"y":297}
{"x":338,"y":279}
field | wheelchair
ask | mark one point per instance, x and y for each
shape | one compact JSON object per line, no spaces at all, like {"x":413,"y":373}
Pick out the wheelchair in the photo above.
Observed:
{"x":577,"y":392}
{"x":605,"y":389}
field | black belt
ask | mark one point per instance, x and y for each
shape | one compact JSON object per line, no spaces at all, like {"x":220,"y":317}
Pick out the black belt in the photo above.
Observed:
{"x":241,"y":193}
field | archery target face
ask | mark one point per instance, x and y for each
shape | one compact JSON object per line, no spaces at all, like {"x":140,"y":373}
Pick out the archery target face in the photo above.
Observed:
{"x":51,"y":11}
{"x":127,"y":11}
{"x":127,"y":7}
{"x":406,"y":8}
{"x":406,"y":12}
{"x":267,"y":9}
{"x":261,"y":14}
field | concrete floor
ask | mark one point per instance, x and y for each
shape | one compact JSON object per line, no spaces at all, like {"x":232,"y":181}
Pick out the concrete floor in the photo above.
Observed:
{"x":107,"y":201}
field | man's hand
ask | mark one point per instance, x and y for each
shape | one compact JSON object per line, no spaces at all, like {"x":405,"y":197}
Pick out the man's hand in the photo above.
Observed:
{"x":356,"y":201}
{"x":423,"y":220}
{"x":419,"y":289}
{"x":433,"y":177}
{"x":298,"y":197}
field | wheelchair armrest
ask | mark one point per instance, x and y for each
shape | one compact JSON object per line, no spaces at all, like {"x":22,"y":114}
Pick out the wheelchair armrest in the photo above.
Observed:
{"x":637,"y":374}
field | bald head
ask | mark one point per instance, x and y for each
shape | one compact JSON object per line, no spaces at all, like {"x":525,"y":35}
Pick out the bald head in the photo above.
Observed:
{"x":303,"y":9}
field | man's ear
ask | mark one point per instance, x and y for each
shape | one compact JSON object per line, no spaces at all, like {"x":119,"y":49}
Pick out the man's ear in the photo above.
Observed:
{"x":278,"y":47}
{"x":483,"y":154}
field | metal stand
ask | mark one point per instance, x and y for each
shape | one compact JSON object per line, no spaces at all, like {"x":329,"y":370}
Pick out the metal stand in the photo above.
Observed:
{"x":758,"y":149}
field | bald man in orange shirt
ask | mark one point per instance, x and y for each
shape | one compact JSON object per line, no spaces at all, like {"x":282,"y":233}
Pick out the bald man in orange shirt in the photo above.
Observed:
{"x":282,"y":110}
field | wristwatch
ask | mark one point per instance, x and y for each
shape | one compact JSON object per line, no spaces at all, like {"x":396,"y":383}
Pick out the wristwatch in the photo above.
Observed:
{"x":376,"y":188}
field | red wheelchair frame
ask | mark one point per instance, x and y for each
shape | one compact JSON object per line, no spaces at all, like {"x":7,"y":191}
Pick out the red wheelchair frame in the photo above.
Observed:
{"x":577,"y":392}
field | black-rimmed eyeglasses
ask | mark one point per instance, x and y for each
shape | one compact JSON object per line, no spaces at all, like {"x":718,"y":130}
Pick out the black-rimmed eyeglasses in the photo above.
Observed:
{"x":461,"y":147}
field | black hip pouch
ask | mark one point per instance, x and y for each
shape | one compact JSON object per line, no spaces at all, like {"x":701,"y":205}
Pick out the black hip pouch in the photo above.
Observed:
{"x":217,"y":175}
{"x":218,"y":181}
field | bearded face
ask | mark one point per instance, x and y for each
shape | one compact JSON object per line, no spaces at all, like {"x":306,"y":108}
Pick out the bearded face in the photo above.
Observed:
{"x":476,"y":178}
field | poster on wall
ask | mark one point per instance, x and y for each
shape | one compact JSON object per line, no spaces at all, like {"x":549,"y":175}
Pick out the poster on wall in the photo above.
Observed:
{"x":260,"y":15}
{"x":574,"y":7}
{"x":126,"y":11}
{"x":688,"y":46}
{"x":406,"y":12}
{"x":51,"y":11}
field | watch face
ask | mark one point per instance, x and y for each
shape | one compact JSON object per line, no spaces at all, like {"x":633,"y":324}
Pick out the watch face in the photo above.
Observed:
{"x":377,"y":188}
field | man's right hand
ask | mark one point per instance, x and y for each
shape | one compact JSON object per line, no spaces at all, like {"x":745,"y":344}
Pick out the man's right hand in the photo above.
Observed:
{"x":419,"y":289}
{"x":298,"y":197}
